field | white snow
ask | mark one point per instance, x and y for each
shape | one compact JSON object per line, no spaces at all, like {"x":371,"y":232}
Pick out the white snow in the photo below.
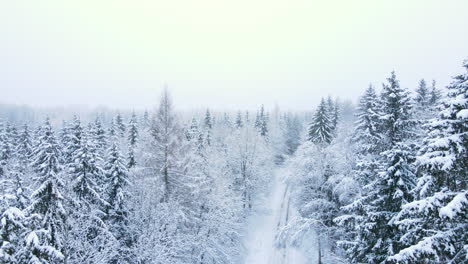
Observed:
{"x":264,"y":225}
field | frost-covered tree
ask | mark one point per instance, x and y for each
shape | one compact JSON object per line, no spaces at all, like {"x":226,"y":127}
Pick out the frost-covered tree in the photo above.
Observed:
{"x":367,"y":131}
{"x":435,"y":94}
{"x":21,"y":242}
{"x":47,"y":200}
{"x":396,"y":111}
{"x":167,"y":137}
{"x":117,"y":211}
{"x":132,"y":140}
{"x":25,"y":146}
{"x":435,"y":223}
{"x":422,"y":94}
{"x":239,"y":122}
{"x":208,"y":121}
{"x":120,"y":125}
{"x":320,"y":130}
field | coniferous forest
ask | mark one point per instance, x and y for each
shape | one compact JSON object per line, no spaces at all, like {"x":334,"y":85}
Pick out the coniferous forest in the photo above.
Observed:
{"x":381,"y":180}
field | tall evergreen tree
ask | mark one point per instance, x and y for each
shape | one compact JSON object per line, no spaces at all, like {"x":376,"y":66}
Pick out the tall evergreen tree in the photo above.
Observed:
{"x":422,"y":94}
{"x":367,"y":131}
{"x":320,"y":131}
{"x":239,"y":122}
{"x":117,"y":211}
{"x":25,"y":146}
{"x":396,"y":111}
{"x":119,"y":125}
{"x":435,"y":94}
{"x":47,"y":200}
{"x":132,"y":140}
{"x":435,"y":223}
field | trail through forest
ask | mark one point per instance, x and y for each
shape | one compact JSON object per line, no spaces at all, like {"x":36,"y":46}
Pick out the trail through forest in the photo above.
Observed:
{"x":264,"y":225}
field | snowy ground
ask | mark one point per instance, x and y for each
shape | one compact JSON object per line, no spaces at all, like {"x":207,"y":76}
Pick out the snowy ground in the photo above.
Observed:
{"x":263,"y":226}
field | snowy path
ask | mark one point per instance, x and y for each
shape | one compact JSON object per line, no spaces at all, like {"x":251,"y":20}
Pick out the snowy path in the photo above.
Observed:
{"x":263,"y":227}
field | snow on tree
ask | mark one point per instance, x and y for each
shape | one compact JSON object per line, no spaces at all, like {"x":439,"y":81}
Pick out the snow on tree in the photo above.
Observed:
{"x":119,"y":125}
{"x":435,"y":94}
{"x":132,"y":140}
{"x":25,"y":145}
{"x":239,"y":122}
{"x":166,"y":140}
{"x":367,"y":131}
{"x":22,"y":243}
{"x":396,"y":111}
{"x":435,"y":222}
{"x":117,"y":211}
{"x":320,"y":130}
{"x":47,"y":199}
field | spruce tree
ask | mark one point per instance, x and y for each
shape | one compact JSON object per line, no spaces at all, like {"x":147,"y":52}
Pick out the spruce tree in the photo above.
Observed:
{"x":47,"y":200}
{"x":396,"y":112}
{"x":132,"y":140}
{"x":435,"y":223}
{"x":390,"y":189}
{"x":208,"y":121}
{"x":367,"y":132}
{"x":320,"y":131}
{"x":117,"y":211}
{"x":119,"y":125}
{"x":239,"y":122}
{"x":25,"y":146}
{"x":422,"y":94}
{"x":435,"y":94}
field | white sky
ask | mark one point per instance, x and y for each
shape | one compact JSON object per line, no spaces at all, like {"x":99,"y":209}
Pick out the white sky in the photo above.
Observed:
{"x":222,"y":54}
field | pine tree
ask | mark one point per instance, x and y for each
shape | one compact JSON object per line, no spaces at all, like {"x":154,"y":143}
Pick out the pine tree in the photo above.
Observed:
{"x":86,"y":174}
{"x":98,"y":135}
{"x":117,"y":211}
{"x":21,"y":242}
{"x":367,"y":131}
{"x":435,"y":223}
{"x":435,"y":94}
{"x":208,"y":121}
{"x":25,"y":146}
{"x":422,"y":94}
{"x":132,"y":140}
{"x":320,"y":131}
{"x":75,"y":133}
{"x":390,"y":189}
{"x":120,"y":126}
{"x":396,"y":111}
{"x":193,"y":131}
{"x":335,"y":116}
{"x":263,"y":122}
{"x":239,"y":122}
{"x":47,"y":200}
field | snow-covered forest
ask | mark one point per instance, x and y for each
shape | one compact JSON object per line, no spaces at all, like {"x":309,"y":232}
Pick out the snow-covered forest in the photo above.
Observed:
{"x":381,"y":180}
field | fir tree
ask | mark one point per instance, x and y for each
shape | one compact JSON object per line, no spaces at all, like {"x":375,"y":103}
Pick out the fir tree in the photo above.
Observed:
{"x":47,"y":200}
{"x":422,"y":94}
{"x":239,"y":122}
{"x":25,"y":146}
{"x":435,"y":94}
{"x":117,"y":211}
{"x":320,"y":131}
{"x":435,"y":223}
{"x":132,"y":140}
{"x":208,"y":121}
{"x":119,"y":125}
{"x":396,"y":112}
{"x":367,"y":131}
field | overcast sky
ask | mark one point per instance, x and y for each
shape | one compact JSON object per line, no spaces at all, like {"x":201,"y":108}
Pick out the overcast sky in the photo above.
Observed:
{"x":222,"y":54}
